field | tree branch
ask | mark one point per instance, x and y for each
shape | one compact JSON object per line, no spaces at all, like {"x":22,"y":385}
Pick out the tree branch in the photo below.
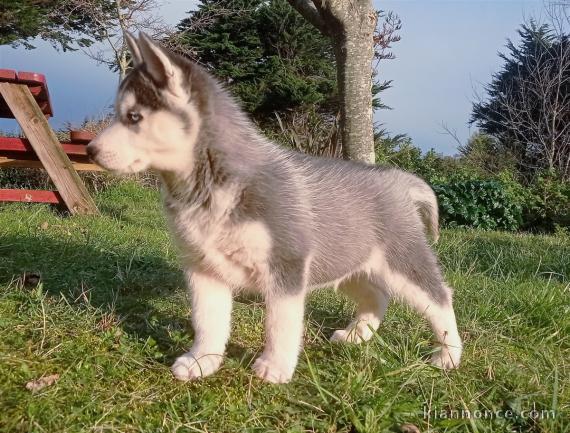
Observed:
{"x":311,"y":14}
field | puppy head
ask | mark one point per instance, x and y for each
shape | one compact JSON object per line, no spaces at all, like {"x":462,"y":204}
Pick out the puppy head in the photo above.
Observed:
{"x":156,"y":122}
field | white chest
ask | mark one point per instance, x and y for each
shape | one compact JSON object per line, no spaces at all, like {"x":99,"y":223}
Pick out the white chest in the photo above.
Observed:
{"x":235,"y":252}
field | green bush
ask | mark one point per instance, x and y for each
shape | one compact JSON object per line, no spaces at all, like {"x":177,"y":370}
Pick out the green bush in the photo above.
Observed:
{"x":482,"y":189}
{"x":478,"y":204}
{"x":484,"y":154}
{"x":547,"y":204}
{"x":434,"y":168}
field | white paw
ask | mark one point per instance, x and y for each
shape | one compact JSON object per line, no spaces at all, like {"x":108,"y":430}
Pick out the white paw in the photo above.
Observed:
{"x":447,"y":358}
{"x":354,"y":335}
{"x":344,"y":336}
{"x":271,"y":371}
{"x":190,"y":366}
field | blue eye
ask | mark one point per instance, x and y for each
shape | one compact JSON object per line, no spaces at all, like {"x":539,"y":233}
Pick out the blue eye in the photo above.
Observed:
{"x":134,"y":117}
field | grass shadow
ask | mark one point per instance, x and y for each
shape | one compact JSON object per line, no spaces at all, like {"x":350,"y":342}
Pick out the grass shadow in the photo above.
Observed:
{"x":136,"y":287}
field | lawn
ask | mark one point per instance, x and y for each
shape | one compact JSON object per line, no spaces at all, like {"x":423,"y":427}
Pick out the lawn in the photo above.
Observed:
{"x":109,"y":315}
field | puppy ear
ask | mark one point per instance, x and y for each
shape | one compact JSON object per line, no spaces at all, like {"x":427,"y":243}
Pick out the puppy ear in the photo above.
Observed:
{"x":157,"y":62}
{"x":133,"y":48}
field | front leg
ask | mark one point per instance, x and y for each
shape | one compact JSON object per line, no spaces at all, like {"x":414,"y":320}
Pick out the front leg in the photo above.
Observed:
{"x":283,"y":337}
{"x":211,"y":317}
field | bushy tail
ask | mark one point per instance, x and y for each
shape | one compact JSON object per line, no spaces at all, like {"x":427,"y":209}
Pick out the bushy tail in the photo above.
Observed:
{"x":421,"y":195}
{"x":429,"y":212}
{"x":426,"y":202}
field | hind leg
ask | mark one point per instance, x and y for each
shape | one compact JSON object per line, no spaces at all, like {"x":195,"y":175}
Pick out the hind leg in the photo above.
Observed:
{"x":436,"y":306}
{"x":444,"y":326}
{"x":371,"y":304}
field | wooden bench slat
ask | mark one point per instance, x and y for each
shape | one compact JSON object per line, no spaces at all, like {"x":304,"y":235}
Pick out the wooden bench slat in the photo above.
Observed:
{"x":6,"y":162}
{"x":8,"y":75}
{"x":30,"y":196}
{"x":37,"y":84}
{"x":16,"y":144}
{"x":47,"y":147}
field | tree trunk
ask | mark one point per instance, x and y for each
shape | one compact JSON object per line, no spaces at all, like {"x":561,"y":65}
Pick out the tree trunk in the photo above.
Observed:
{"x":121,"y":52}
{"x":123,"y":62}
{"x":350,"y":24}
{"x":353,"y":52}
{"x":354,"y":49}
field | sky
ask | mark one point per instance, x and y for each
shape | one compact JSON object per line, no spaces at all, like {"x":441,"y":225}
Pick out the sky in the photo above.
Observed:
{"x":447,"y":53}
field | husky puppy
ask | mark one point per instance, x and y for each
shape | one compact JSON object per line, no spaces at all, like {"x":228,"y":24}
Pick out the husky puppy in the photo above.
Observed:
{"x":248,"y":214}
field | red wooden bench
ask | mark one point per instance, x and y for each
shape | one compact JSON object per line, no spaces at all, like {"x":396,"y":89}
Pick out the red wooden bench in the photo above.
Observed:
{"x":25,"y":97}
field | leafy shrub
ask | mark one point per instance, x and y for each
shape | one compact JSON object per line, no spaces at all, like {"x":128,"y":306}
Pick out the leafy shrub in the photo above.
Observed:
{"x":308,"y":131}
{"x":399,"y":151}
{"x":547,"y":204}
{"x":480,"y":188}
{"x":479,"y":204}
{"x":484,"y":154}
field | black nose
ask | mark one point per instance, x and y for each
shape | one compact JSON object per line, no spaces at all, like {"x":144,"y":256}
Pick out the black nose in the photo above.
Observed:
{"x":92,"y":152}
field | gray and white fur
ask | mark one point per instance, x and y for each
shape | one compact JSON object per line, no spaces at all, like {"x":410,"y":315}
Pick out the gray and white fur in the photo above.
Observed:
{"x":248,"y":214}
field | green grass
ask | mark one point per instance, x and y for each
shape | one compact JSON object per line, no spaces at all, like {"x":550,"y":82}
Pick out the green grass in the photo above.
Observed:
{"x":109,"y":316}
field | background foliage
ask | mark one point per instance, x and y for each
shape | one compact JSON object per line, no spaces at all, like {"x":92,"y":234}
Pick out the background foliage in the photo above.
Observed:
{"x":527,"y":104}
{"x":57,"y":21}
{"x":283,"y":72}
{"x":479,"y":204}
{"x":482,"y":189}
{"x":267,"y":54}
